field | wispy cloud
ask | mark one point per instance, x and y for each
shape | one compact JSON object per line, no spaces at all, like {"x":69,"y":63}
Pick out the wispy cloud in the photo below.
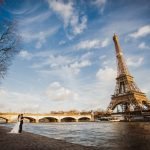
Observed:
{"x":24,"y":8}
{"x":68,"y":64}
{"x":135,"y":61}
{"x":106,"y":74}
{"x":25,"y":54}
{"x":38,"y":18}
{"x":69,"y":15}
{"x":141,"y":32}
{"x":92,"y":44}
{"x":53,"y":61}
{"x":64,"y":64}
{"x":100,"y":4}
{"x":76,"y":66}
{"x":143,"y":46}
{"x":62,"y":42}
{"x":40,"y":37}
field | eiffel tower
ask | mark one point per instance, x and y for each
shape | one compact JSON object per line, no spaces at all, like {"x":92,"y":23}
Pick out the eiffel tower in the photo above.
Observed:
{"x":127,"y":95}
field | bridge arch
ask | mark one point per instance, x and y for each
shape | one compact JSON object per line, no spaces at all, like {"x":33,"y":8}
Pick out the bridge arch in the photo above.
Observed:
{"x":68,"y":119}
{"x":2,"y":119}
{"x":29,"y":119}
{"x":48,"y":119}
{"x":84,"y":119}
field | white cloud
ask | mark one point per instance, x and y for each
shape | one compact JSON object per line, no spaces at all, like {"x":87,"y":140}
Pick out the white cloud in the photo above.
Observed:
{"x":104,"y":86}
{"x":105,"y":43}
{"x":73,"y":68}
{"x":65,"y":10}
{"x":135,"y":61}
{"x":86,"y":56}
{"x":39,"y":37}
{"x":69,"y":15}
{"x":92,"y":44}
{"x":100,"y":4}
{"x":57,"y":92}
{"x":78,"y":27}
{"x":102,"y":57}
{"x":25,"y":54}
{"x":59,"y":63}
{"x":141,"y":32}
{"x":88,"y":44}
{"x":2,"y":92}
{"x":19,"y":102}
{"x":53,"y":61}
{"x":143,"y":46}
{"x":62,"y":42}
{"x":26,"y":8}
{"x":76,"y":66}
{"x":36,"y":18}
{"x":106,"y":74}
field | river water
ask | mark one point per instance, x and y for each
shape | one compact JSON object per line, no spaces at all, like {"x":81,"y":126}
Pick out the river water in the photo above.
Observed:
{"x":105,"y":135}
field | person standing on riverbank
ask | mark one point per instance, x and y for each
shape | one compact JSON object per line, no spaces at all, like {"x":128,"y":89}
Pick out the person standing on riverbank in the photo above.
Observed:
{"x":21,"y":123}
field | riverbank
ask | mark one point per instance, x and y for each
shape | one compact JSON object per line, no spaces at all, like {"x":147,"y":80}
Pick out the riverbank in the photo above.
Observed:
{"x":30,"y":141}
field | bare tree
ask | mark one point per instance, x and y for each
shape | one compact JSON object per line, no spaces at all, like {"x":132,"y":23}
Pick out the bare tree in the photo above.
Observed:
{"x":9,"y":45}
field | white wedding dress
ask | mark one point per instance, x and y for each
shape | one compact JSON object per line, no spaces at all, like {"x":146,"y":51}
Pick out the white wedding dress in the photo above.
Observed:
{"x":15,"y":129}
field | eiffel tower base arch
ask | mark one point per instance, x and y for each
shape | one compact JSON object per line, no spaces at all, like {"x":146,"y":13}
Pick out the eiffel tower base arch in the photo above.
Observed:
{"x":130,"y":102}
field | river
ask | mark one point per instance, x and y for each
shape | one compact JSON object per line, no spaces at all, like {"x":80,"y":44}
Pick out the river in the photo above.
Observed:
{"x":105,"y":135}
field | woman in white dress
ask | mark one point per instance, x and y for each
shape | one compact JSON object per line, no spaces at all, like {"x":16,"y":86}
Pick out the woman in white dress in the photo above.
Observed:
{"x":15,"y":129}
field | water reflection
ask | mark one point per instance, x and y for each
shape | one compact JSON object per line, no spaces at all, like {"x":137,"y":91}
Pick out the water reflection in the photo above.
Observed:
{"x":104,"y":135}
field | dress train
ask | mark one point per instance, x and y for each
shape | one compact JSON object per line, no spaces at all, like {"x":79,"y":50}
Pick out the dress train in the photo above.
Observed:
{"x":15,"y":128}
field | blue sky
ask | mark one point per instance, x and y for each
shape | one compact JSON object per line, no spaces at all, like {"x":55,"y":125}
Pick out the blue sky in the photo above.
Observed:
{"x":67,"y":58}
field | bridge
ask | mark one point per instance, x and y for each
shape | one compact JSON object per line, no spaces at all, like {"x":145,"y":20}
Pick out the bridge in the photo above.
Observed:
{"x":45,"y":118}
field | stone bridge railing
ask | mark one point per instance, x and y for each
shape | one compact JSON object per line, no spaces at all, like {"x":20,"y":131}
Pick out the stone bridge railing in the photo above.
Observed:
{"x":35,"y":118}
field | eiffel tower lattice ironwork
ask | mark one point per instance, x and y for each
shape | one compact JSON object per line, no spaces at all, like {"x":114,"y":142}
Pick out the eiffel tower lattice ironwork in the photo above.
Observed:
{"x":127,"y":95}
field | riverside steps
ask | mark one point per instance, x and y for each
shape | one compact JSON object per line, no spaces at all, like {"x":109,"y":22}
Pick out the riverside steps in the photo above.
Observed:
{"x":30,"y":141}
